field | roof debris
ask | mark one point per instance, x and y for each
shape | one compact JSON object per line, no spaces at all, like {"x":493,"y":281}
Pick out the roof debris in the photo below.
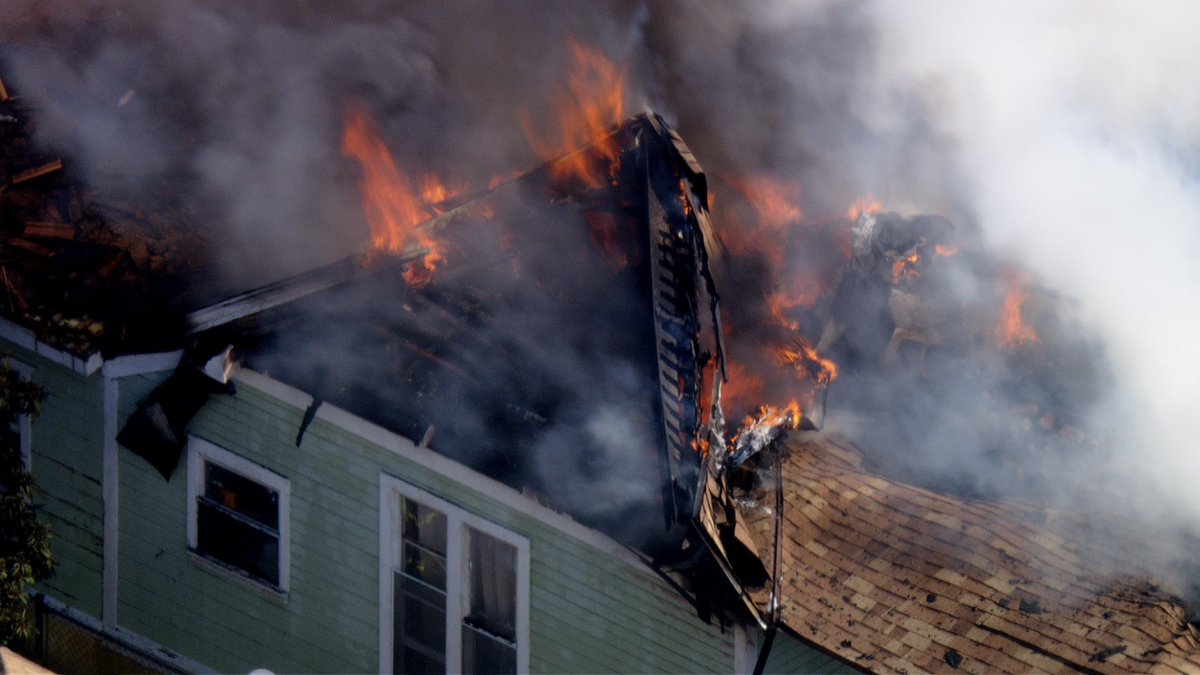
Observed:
{"x":87,"y":270}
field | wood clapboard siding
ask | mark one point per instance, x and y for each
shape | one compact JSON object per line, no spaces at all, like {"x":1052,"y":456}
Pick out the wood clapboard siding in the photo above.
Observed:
{"x":68,"y":446}
{"x":589,"y":611}
{"x":791,"y":655}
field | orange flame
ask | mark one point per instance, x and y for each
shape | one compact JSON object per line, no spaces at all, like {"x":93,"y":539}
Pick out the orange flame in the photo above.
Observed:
{"x":594,"y":100}
{"x":605,"y":233}
{"x":776,"y":202}
{"x":767,"y":221}
{"x":390,"y":200}
{"x":781,"y":305}
{"x":775,"y":214}
{"x":906,"y":268}
{"x":502,"y":178}
{"x":812,"y":366}
{"x":1011,"y":329}
{"x":434,"y":192}
{"x":743,"y":390}
{"x":946,"y":250}
{"x":789,"y":416}
{"x":868,"y":205}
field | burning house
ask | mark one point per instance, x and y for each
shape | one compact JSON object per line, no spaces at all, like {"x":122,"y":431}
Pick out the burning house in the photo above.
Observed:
{"x":498,"y":438}
{"x":217,"y":462}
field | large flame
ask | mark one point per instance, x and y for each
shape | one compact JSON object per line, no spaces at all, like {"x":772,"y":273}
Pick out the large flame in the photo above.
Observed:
{"x":1011,"y":330}
{"x":591,"y":103}
{"x":809,"y":365}
{"x":776,"y":202}
{"x":906,"y":268}
{"x":393,"y":203}
{"x":864,"y":205}
{"x":788,"y":416}
{"x":744,"y":390}
{"x":766,"y":221}
{"x":776,"y":224}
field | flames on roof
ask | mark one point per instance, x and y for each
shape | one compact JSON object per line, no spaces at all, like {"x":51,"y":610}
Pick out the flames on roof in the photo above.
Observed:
{"x":450,"y":341}
{"x":874,"y":570}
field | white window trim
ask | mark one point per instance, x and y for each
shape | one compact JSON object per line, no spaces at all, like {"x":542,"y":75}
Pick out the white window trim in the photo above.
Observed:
{"x":24,"y":420}
{"x":201,"y":451}
{"x":391,"y":489}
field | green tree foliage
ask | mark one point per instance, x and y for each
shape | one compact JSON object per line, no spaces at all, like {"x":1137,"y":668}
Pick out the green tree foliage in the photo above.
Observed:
{"x":24,"y":538}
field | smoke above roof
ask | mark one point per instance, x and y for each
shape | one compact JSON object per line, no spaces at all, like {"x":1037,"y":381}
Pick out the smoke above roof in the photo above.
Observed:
{"x":1060,"y":137}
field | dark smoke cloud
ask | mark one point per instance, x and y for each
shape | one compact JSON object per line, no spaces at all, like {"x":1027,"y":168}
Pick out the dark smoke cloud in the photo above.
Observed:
{"x":240,"y":105}
{"x":1060,"y":138}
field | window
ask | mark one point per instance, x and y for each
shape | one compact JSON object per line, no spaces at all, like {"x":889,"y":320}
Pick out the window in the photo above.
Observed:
{"x":238,"y":514}
{"x":456,"y":588}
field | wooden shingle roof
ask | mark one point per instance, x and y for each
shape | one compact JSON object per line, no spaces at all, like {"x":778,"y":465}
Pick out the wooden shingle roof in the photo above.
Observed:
{"x":896,"y":578}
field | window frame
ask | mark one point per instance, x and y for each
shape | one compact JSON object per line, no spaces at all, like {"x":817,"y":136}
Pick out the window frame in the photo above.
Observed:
{"x":458,"y":520}
{"x":200,"y":452}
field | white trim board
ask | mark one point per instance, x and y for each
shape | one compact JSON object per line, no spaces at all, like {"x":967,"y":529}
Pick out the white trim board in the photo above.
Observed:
{"x":444,"y":466}
{"x":141,"y":364}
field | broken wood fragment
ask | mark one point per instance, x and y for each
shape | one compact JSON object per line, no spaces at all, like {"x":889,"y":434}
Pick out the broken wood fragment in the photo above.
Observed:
{"x":31,"y":247}
{"x":428,"y":355}
{"x":13,"y":293}
{"x":37,"y":171}
{"x":3,"y":91}
{"x":49,"y":230}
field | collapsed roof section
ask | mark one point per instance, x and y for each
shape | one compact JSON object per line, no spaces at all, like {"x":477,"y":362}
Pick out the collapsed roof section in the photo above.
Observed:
{"x":88,"y":271}
{"x":572,"y":329}
{"x":887,"y":576}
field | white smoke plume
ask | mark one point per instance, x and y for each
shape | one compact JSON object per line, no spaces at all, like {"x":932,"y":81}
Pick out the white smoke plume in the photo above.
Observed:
{"x":1074,"y":127}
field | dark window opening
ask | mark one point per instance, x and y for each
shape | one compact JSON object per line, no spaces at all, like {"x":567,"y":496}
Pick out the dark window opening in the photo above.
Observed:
{"x":237,"y":523}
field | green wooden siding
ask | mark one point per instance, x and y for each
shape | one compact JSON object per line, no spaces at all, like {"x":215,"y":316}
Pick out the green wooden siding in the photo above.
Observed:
{"x":67,"y":459}
{"x":789,"y":654}
{"x":589,"y":612}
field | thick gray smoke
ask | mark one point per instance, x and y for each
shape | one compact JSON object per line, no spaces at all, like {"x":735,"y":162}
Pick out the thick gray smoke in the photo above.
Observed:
{"x":1064,"y":136}
{"x":241,"y":105}
{"x":1074,"y":125}
{"x":1061,"y":137}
